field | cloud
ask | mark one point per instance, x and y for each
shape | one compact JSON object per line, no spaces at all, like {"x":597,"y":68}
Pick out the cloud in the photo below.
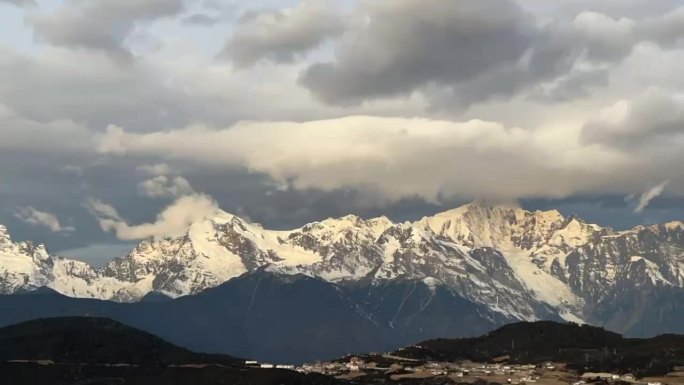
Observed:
{"x":100,"y":24}
{"x":654,"y":118}
{"x":110,"y":142}
{"x":665,"y":30}
{"x":457,"y":53}
{"x":102,"y":210}
{"x":49,"y":136}
{"x":201,"y":19}
{"x":606,"y":38}
{"x":649,"y":195}
{"x":174,"y":220}
{"x":392,"y":124}
{"x":162,"y":186}
{"x":577,"y":83}
{"x":395,"y":157}
{"x":101,"y":92}
{"x":19,"y":3}
{"x":36,"y":217}
{"x":397,"y":46}
{"x":282,"y":35}
{"x":155,"y":169}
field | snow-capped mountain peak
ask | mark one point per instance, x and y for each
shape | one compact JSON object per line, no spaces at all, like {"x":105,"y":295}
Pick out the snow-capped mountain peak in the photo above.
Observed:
{"x":522,"y":264}
{"x":481,"y":225}
{"x":22,"y":264}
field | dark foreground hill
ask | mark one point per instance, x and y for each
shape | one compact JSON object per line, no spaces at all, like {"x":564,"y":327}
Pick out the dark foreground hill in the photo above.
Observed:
{"x":93,"y":340}
{"x":75,"y":350}
{"x":39,"y":374}
{"x":582,"y":347}
{"x":280,"y":318}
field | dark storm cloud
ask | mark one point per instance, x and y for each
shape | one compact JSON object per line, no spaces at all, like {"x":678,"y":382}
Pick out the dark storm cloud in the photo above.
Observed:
{"x":90,"y":89}
{"x":100,"y":24}
{"x":408,"y":44}
{"x":282,"y":35}
{"x":464,"y":52}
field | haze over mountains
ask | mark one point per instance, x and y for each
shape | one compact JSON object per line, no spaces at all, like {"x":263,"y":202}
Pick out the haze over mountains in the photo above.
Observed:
{"x":516,"y":264}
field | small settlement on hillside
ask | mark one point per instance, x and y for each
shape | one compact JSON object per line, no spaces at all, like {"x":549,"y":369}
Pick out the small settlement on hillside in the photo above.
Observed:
{"x":398,"y":368}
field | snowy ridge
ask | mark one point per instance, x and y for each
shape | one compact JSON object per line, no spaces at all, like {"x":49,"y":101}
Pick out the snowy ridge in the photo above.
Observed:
{"x":524,"y":265}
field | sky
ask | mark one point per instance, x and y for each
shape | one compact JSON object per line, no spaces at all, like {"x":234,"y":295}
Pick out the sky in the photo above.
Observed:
{"x":125,"y":120}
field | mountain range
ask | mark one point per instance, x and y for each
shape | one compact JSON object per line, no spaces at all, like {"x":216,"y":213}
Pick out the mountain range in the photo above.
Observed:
{"x":457,"y":273}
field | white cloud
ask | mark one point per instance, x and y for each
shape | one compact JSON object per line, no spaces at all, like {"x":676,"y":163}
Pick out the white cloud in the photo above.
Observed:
{"x":111,"y":141}
{"x":36,"y":217}
{"x":174,"y":220}
{"x":397,"y":157}
{"x":101,"y":210}
{"x":155,"y":169}
{"x":649,"y":195}
{"x":162,"y":186}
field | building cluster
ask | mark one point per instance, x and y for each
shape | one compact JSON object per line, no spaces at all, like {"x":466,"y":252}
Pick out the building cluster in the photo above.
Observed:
{"x":517,"y":374}
{"x":263,"y":365}
{"x":513,"y":374}
{"x":590,"y":377}
{"x":355,"y":364}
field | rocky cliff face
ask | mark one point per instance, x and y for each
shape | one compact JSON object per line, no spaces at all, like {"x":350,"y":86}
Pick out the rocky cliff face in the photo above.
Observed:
{"x":518,"y":264}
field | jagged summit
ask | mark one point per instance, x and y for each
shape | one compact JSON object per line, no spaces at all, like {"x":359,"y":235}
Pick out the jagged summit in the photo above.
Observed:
{"x":500,"y":226}
{"x":673,"y":225}
{"x":522,"y":264}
